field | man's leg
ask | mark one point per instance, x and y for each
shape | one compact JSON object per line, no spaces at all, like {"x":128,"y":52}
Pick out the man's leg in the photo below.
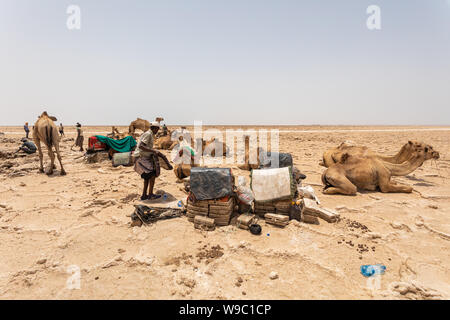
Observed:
{"x":144,"y":191}
{"x":150,"y":186}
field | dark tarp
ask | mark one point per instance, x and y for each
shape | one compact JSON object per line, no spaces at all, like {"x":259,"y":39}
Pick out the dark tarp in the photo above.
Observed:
{"x":211,"y":183}
{"x":285,"y":160}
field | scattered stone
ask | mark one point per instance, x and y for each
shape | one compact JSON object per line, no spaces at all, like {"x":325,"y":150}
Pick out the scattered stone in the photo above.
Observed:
{"x":273,"y":275}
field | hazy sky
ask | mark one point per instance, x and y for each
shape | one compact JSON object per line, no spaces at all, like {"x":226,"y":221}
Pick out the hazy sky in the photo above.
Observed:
{"x":226,"y":62}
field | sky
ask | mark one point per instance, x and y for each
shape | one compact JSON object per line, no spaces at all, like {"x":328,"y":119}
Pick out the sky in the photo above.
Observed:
{"x":255,"y":62}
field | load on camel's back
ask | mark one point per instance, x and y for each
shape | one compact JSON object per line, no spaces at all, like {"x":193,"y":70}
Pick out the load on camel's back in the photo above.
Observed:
{"x":45,"y":131}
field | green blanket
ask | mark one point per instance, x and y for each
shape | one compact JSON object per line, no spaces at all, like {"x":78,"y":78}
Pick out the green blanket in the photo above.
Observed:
{"x":123,"y":145}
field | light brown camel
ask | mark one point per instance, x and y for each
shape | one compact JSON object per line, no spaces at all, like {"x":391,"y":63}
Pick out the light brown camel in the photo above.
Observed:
{"x":165,"y":143}
{"x":45,"y":130}
{"x":247,"y":165}
{"x":333,"y":155}
{"x":212,"y":146}
{"x":370,"y":173}
{"x":116,"y":134}
{"x":140,"y":124}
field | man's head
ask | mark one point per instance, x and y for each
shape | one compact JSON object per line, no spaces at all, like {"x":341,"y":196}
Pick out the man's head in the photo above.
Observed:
{"x":154,"y":126}
{"x":26,"y":123}
{"x":24,"y":139}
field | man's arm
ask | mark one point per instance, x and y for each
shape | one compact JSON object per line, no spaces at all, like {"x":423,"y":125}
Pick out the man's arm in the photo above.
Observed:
{"x":144,"y":147}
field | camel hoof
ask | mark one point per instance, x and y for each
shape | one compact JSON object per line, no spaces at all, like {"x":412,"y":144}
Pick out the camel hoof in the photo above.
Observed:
{"x":49,"y":173}
{"x":41,"y":170}
{"x":63,"y":173}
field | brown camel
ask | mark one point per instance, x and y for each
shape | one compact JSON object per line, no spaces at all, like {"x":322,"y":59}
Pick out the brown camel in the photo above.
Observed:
{"x":214,"y":144}
{"x":247,"y":165}
{"x":45,"y":130}
{"x":116,"y":134}
{"x":333,"y":155}
{"x":140,"y":124}
{"x":370,"y":173}
{"x":183,"y":170}
{"x":165,"y":143}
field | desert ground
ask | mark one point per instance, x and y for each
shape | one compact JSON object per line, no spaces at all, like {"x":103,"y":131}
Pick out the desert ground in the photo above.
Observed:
{"x":48,"y":224}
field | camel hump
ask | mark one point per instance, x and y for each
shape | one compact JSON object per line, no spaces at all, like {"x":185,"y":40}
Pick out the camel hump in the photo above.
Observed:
{"x":45,"y":114}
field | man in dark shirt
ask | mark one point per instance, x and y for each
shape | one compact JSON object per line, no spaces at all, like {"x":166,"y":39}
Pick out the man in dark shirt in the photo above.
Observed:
{"x":27,"y":130}
{"x":27,"y":146}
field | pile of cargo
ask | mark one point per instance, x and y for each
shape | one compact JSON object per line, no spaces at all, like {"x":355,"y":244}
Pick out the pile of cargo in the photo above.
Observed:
{"x":274,"y":195}
{"x":211,"y":201}
{"x":220,"y":210}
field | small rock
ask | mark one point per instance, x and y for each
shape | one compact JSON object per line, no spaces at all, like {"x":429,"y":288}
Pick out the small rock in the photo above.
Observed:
{"x":41,"y":261}
{"x":273,"y":275}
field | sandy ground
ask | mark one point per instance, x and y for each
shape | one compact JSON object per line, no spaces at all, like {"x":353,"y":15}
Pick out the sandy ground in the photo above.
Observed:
{"x":48,"y":224}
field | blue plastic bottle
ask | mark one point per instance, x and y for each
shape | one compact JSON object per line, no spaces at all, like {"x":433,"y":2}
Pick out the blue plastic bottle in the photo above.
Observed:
{"x":372,"y":269}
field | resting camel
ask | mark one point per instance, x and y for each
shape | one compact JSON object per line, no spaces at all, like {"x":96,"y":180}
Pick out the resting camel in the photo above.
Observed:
{"x":45,"y":130}
{"x":212,"y":145}
{"x":116,"y":134}
{"x":247,"y":165}
{"x":333,"y":155}
{"x":370,"y":173}
{"x":165,"y":143}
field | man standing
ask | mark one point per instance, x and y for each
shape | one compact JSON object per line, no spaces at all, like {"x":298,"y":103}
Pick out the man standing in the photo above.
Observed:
{"x":80,"y":138}
{"x":27,"y":130}
{"x":147,"y":161}
{"x":61,"y":129}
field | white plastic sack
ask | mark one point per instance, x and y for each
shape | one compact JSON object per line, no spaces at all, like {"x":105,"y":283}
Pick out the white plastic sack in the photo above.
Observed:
{"x":308,"y":192}
{"x":271,"y":184}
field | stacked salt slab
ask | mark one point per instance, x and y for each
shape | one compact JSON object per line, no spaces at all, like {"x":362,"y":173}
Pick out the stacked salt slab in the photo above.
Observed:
{"x":220,"y":210}
{"x":277,"y":219}
{"x":204,"y":223}
{"x":282,"y":207}
{"x":245,"y":220}
{"x":311,"y":212}
{"x":211,"y":196}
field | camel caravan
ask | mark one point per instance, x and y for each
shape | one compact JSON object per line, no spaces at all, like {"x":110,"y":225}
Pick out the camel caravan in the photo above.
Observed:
{"x":275,"y":193}
{"x":348,"y":167}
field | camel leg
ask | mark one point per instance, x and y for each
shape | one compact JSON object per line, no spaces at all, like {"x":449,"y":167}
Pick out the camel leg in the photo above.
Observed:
{"x":63,"y":172}
{"x":52,"y":159}
{"x":41,"y":156}
{"x":386,"y":185}
{"x":339,"y":183}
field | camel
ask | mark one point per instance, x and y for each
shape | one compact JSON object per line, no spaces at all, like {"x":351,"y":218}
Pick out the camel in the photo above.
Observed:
{"x":140,"y":124}
{"x":369,"y":173}
{"x":246,"y":165}
{"x":46,"y":131}
{"x":212,"y":145}
{"x":165,"y":143}
{"x":116,"y":134}
{"x":333,"y":155}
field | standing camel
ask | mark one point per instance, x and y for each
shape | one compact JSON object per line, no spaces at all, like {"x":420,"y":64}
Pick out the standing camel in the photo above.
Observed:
{"x":45,"y":130}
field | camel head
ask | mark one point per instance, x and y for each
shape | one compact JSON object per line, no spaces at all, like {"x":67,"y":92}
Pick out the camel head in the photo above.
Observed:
{"x":422,"y":149}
